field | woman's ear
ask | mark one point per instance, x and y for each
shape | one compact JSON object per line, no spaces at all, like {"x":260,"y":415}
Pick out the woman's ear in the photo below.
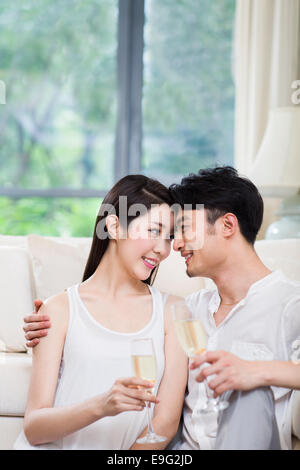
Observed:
{"x":112,"y":225}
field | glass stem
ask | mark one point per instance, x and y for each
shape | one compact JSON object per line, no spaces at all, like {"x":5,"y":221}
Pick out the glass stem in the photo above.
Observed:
{"x":206,"y":388}
{"x":209,"y":392}
{"x":149,"y":418}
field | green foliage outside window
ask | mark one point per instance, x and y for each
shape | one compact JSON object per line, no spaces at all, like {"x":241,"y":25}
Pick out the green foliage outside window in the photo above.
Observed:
{"x":188,"y":105}
{"x":58,"y":60}
{"x":49,"y":216}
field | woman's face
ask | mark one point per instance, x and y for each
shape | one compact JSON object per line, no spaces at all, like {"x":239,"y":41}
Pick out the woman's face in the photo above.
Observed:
{"x":148,"y":241}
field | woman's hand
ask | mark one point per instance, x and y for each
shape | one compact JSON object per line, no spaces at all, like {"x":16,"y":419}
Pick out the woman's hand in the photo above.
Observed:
{"x":35,"y":325}
{"x":232,"y":373}
{"x":124,"y":395}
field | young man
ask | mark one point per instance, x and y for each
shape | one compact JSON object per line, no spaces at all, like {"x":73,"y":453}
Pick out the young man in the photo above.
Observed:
{"x":253,"y":312}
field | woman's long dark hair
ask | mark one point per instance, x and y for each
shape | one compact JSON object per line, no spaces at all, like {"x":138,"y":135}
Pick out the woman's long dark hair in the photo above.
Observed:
{"x":138,"y":189}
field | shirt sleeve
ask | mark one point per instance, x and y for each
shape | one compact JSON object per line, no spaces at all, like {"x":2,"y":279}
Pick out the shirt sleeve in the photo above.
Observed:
{"x":291,"y":328}
{"x":193,"y":301}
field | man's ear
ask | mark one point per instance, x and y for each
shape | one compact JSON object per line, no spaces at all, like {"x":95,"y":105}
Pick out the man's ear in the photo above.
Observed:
{"x":230,"y":224}
{"x":112,"y":225}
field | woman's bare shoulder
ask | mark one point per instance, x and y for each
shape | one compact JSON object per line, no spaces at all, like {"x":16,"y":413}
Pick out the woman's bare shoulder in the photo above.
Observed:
{"x":56,"y":306}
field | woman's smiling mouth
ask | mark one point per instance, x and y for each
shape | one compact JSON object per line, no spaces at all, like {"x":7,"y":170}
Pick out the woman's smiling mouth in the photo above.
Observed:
{"x":150,"y":263}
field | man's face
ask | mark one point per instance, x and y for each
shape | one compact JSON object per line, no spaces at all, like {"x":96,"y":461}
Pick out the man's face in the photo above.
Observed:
{"x":198,"y":242}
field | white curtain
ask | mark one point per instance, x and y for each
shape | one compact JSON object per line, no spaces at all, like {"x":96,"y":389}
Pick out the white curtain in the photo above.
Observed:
{"x":266,"y":63}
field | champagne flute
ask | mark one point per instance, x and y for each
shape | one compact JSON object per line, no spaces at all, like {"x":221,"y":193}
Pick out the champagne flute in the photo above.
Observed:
{"x":144,"y":366}
{"x":193,"y":340}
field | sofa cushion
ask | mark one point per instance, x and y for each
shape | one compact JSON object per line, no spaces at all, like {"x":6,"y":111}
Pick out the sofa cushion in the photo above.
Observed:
{"x":10,"y":428}
{"x":16,"y":292}
{"x":57,"y":264}
{"x":15,"y":371}
{"x":13,"y":240}
{"x":281,"y":254}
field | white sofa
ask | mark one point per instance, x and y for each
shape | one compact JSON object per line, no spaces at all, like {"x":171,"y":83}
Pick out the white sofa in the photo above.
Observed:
{"x":38,"y":267}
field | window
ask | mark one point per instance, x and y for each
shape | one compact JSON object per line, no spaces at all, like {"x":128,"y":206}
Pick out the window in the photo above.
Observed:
{"x":59,"y":64}
{"x":188,"y":102}
{"x":99,"y":89}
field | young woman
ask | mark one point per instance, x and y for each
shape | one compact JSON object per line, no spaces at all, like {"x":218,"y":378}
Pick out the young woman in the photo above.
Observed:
{"x":82,"y":394}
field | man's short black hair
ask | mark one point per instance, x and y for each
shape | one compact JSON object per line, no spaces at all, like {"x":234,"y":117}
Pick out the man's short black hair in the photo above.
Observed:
{"x":222,"y":190}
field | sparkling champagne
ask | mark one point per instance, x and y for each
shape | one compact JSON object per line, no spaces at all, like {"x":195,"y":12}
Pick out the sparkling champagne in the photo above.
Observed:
{"x":144,"y":367}
{"x":191,"y":335}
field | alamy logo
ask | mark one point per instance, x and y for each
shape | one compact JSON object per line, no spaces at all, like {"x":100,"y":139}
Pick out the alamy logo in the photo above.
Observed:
{"x":185,"y":225}
{"x":2,"y":92}
{"x":296,"y":95}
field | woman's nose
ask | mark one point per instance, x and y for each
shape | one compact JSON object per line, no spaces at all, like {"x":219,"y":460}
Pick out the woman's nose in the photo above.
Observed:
{"x":162,"y":247}
{"x":177,"y":244}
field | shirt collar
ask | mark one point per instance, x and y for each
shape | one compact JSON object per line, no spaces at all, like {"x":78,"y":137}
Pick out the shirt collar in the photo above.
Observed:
{"x":264,"y":281}
{"x":215,"y":299}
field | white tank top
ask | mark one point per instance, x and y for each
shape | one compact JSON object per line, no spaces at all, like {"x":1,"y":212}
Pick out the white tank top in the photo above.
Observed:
{"x":93,"y":358}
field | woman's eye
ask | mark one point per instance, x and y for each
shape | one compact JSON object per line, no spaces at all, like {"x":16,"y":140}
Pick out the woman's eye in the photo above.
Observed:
{"x":156,"y":233}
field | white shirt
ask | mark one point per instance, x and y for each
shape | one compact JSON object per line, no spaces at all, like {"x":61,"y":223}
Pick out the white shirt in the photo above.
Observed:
{"x":262,"y":326}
